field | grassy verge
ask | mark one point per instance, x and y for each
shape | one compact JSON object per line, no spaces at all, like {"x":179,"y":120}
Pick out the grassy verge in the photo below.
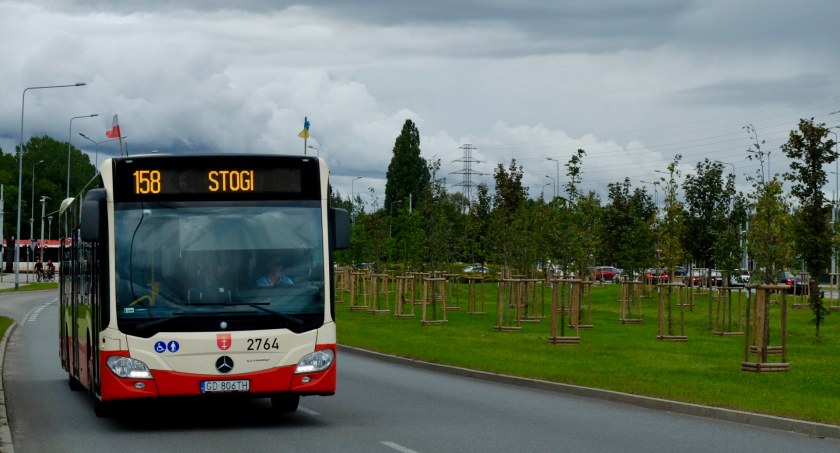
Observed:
{"x":31,"y":287}
{"x":623,"y":357}
{"x":5,"y":323}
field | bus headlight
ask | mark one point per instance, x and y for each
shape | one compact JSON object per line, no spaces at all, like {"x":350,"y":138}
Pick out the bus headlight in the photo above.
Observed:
{"x":315,"y":361}
{"x":126,"y":367}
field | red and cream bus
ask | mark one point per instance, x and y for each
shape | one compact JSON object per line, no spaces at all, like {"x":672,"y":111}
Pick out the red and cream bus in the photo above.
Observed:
{"x":160,"y":284}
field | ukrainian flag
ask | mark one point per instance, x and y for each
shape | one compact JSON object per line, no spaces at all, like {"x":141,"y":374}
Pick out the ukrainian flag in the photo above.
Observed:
{"x":305,"y":132}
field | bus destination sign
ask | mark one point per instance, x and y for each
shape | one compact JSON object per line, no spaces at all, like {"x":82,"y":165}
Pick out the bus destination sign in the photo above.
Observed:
{"x":151,"y":181}
{"x":152,"y":178}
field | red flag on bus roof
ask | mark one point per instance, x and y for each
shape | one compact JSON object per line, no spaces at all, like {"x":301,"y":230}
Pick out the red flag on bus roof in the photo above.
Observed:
{"x":115,"y":129}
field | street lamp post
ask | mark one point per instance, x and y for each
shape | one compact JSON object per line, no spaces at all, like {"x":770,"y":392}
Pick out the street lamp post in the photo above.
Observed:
{"x":836,"y":198}
{"x":69,"y":136}
{"x":655,"y":192}
{"x":315,"y":148}
{"x":554,"y":181}
{"x":43,"y":211}
{"x":727,"y":163}
{"x":96,"y":148}
{"x":542,"y":190}
{"x":32,"y":214}
{"x":557,"y":163}
{"x":20,"y":171}
{"x":32,"y":203}
{"x":353,"y":198}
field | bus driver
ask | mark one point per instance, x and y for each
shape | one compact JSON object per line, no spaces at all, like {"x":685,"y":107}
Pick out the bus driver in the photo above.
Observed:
{"x":275,"y":276}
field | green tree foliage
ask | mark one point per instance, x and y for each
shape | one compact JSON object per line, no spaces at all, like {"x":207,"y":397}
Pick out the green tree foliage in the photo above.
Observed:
{"x":336,"y":201}
{"x":628,"y":217}
{"x":769,"y":219}
{"x":409,"y":237}
{"x":50,"y":181}
{"x":582,"y":238}
{"x":9,"y":180}
{"x":707,"y":200}
{"x":408,"y":174}
{"x":810,"y":149}
{"x":669,"y":230}
{"x":587,"y":221}
{"x":508,"y":225}
{"x":369,"y":236}
{"x":443,"y":220}
{"x":767,"y":239}
{"x":573,"y":171}
{"x":477,"y":239}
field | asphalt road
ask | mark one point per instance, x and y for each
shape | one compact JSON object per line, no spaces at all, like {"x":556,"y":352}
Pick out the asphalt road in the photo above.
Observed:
{"x":381,"y":406}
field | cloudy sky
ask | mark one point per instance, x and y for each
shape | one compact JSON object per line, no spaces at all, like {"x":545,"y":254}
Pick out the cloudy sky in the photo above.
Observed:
{"x":633,"y":83}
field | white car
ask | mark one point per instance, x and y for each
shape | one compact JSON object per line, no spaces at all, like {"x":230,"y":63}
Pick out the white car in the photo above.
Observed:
{"x":476,"y":269}
{"x":741,"y":277}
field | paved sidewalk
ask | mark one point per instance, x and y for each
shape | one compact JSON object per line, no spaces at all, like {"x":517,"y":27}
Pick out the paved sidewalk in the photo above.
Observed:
{"x":8,"y":281}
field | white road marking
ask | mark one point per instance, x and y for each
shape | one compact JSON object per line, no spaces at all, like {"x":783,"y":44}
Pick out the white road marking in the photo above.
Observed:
{"x":397,"y":447}
{"x":33,"y":315}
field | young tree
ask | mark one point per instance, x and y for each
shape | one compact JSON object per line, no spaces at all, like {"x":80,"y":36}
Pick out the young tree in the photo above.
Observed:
{"x":583,"y":213}
{"x":670,"y":227}
{"x":476,"y":238}
{"x":810,"y":149}
{"x":769,"y":220}
{"x":767,"y":237}
{"x":509,"y":233}
{"x":587,"y":221}
{"x":442,"y":216}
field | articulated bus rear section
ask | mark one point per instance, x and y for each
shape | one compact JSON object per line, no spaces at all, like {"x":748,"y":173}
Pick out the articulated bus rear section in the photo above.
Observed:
{"x":201,"y":275}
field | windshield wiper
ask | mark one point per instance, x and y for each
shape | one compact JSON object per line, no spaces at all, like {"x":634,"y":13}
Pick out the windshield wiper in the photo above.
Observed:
{"x":283,"y":316}
{"x":288,"y":318}
{"x":155,"y":322}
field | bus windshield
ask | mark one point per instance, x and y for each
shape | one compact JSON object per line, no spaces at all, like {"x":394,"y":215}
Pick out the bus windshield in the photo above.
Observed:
{"x":205,"y":266}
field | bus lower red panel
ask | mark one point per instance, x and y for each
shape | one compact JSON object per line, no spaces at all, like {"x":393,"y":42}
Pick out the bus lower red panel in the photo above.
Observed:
{"x":172,"y":383}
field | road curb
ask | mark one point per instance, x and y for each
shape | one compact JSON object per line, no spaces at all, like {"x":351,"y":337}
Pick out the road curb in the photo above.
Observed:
{"x":819,"y":430}
{"x":6,"y":445}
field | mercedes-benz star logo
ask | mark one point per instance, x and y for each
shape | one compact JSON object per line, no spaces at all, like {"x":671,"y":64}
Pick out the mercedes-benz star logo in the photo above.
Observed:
{"x":224,"y":364}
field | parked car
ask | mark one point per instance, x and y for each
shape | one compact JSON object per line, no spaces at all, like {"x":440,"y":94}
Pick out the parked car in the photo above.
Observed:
{"x":741,"y":277}
{"x":607,"y":274}
{"x":476,"y":268}
{"x":795,"y":282}
{"x":716,"y":278}
{"x":656,"y":276}
{"x":706,"y":277}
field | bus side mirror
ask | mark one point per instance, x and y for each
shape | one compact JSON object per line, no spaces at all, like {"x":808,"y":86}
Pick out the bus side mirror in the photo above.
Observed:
{"x":339,"y":228}
{"x":93,"y":213}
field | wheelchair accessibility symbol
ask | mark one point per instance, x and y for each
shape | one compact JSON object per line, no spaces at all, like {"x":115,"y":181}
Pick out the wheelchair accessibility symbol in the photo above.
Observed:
{"x":172,"y":346}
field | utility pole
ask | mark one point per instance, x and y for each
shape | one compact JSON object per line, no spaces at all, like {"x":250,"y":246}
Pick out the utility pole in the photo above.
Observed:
{"x":466,"y":173}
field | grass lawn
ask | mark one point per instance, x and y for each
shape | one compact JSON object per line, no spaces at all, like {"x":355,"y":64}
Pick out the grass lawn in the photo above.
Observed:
{"x":706,"y":369}
{"x":5,"y":323}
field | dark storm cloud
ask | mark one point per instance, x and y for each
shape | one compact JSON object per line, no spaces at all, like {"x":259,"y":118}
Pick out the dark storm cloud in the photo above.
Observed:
{"x":543,"y":75}
{"x":760,"y":92}
{"x":545,"y":25}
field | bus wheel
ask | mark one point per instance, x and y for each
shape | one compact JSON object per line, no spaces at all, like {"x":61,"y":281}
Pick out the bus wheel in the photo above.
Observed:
{"x":284,"y":404}
{"x":74,"y":383}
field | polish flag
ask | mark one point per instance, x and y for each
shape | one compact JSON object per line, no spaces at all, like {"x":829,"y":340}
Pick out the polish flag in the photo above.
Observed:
{"x":115,"y":129}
